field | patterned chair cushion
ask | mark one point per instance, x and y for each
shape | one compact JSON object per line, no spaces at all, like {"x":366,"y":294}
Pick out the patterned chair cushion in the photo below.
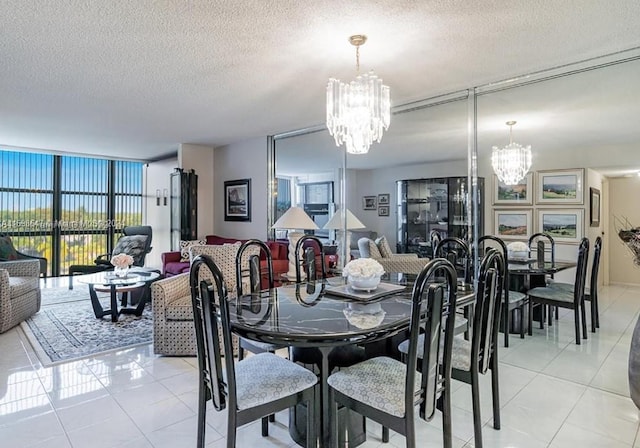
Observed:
{"x":7,"y":251}
{"x":383,"y":246}
{"x":377,"y":382}
{"x":179,"y":309}
{"x":22,"y":285}
{"x":460,"y":354}
{"x":551,"y":294}
{"x":516,"y":296}
{"x":368,"y":249}
{"x":185,"y":246}
{"x":266,"y":377}
{"x":134,"y":245}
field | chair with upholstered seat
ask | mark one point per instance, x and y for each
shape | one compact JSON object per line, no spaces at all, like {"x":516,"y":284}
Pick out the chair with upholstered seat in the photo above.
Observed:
{"x":571,"y":299}
{"x":9,"y":253}
{"x":511,"y":300}
{"x":380,"y":251}
{"x":387,"y":390}
{"x":19,"y":291}
{"x":252,"y":388}
{"x":590,"y":292}
{"x":542,"y":247}
{"x":136,"y":241}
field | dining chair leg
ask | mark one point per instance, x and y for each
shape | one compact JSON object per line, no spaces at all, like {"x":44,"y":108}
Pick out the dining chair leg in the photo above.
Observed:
{"x":240,"y":353}
{"x":530,"y":319}
{"x":583,"y":314}
{"x":505,"y":321}
{"x":385,"y":434}
{"x":595,"y":300}
{"x":231,"y":429}
{"x":265,"y":426}
{"x":333,"y":420}
{"x":550,"y":316}
{"x":593,"y":315}
{"x":445,"y":400}
{"x":543,"y":315}
{"x":202,"y":416}
{"x":495,"y":392}
{"x":576,"y":319}
{"x":312,"y":435}
{"x":475,"y":404}
{"x":522,"y":321}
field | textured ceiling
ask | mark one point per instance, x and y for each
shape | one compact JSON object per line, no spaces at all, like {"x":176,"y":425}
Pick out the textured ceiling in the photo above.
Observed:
{"x":136,"y":78}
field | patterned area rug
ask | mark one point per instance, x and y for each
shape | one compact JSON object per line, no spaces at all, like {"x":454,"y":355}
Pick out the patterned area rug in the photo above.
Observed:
{"x":65,"y":328}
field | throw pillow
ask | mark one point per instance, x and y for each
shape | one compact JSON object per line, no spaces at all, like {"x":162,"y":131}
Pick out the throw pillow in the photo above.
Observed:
{"x":186,"y":245}
{"x":7,"y":251}
{"x":374,"y":252}
{"x":133,"y":245}
{"x":383,"y":246}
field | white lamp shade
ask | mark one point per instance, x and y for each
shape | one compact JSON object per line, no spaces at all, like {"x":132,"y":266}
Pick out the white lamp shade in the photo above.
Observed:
{"x":337,"y":220}
{"x":295,"y":218}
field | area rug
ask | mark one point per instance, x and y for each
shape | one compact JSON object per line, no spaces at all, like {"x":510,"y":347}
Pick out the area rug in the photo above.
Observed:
{"x":65,"y":328}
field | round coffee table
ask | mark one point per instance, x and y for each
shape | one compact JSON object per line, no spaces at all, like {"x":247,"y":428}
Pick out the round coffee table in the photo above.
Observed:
{"x":108,"y":282}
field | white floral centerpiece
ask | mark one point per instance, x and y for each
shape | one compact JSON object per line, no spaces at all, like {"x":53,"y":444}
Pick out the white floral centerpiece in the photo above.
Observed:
{"x":121,"y":262}
{"x":363,"y":273}
{"x":518,"y":249}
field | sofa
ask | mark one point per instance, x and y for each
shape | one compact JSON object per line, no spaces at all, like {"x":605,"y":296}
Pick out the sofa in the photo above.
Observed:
{"x":172,"y":264}
{"x":380,"y":250}
{"x":173,"y":329}
{"x":19,"y":291}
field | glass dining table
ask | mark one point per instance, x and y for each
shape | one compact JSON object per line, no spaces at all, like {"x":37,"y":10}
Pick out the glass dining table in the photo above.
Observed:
{"x":325,"y":315}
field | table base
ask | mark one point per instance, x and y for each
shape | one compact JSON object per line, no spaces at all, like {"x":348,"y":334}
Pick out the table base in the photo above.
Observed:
{"x":354,"y":422}
{"x":100,"y":312}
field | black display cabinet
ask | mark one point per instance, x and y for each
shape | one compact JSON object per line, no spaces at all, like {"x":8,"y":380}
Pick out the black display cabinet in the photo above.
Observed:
{"x":184,"y":206}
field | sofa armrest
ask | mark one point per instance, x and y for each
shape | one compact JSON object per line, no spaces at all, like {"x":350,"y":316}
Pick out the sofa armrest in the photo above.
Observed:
{"x":403,"y":264}
{"x":405,"y":256}
{"x":169,"y":289}
{"x":22,"y":268}
{"x":170,"y":257}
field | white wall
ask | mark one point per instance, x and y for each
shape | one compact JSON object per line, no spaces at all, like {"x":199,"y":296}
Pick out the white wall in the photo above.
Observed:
{"x":623,"y":203}
{"x":242,"y":160}
{"x":157,"y":177}
{"x":201,"y":159}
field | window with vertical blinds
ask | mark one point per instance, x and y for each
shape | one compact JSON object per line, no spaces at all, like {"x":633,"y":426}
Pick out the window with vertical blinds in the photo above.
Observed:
{"x":67,"y":209}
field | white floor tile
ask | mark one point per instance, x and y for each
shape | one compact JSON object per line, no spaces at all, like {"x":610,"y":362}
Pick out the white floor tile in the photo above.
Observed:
{"x":570,"y":436}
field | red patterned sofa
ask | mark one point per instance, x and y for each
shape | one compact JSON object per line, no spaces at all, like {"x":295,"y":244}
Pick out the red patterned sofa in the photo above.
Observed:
{"x":171,"y":264}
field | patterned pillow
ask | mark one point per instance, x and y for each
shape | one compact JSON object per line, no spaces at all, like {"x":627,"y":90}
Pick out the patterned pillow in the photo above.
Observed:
{"x":374,"y":252}
{"x":186,"y":245}
{"x":133,"y":245}
{"x":7,"y":251}
{"x":383,"y":246}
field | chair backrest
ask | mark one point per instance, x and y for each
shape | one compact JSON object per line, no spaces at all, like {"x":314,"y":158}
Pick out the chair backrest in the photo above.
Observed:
{"x":140,"y":230}
{"x":309,"y":258}
{"x":440,"y":298}
{"x":457,"y":251}
{"x":541,"y":244}
{"x":252,"y":266}
{"x":434,"y":237}
{"x":595,"y":267}
{"x":486,"y":319}
{"x":502,"y":248}
{"x":581,"y":271}
{"x":209,"y":300}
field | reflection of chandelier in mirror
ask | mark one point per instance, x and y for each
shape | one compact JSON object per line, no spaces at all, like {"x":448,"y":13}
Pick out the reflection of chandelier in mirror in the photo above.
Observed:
{"x":512,"y":162}
{"x":359,"y":112}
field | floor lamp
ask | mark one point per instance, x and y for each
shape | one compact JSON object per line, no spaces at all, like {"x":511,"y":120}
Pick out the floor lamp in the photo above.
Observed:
{"x":293,"y":220}
{"x":344,"y":237}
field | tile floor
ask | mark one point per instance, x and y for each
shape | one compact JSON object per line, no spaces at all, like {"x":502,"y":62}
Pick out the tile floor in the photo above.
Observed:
{"x":553,"y":394}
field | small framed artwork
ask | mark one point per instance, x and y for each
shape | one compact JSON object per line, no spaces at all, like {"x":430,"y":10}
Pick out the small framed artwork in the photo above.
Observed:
{"x":237,"y":200}
{"x":369,"y":203}
{"x":512,"y":224}
{"x":563,"y":225}
{"x":519,"y":194}
{"x":383,"y":210}
{"x":560,"y":187}
{"x":594,"y":207}
{"x":383,"y":199}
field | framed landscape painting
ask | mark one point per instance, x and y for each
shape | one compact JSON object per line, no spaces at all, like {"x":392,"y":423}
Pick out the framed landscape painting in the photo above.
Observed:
{"x":563,"y":225}
{"x":237,"y":200}
{"x":560,"y":187}
{"x":521,"y":193}
{"x":512,"y":224}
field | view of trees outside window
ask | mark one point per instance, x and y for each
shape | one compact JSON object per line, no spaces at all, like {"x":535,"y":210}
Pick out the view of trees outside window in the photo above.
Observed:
{"x":68,"y":203}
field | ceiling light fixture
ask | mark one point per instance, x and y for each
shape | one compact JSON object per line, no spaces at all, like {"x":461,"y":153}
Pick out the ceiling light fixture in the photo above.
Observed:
{"x":511,"y":163}
{"x":359,"y":112}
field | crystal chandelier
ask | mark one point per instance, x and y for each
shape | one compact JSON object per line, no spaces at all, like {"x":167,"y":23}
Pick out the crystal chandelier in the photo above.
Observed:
{"x":511,"y":163}
{"x":359,"y":112}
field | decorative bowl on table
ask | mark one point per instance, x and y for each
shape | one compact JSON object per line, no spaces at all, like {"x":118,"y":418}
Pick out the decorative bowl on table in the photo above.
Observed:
{"x":518,"y":255}
{"x":364,"y":316}
{"x":363,"y":274}
{"x":517,"y":250}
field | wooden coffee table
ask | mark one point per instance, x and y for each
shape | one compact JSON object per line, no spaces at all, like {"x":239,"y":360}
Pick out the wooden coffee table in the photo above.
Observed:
{"x":135,"y":279}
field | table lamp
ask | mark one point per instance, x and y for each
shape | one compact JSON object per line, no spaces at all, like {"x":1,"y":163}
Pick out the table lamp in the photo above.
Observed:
{"x":294,"y":219}
{"x":344,"y":237}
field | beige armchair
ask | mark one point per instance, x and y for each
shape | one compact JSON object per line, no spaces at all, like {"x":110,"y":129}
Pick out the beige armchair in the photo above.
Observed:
{"x":173,"y":329}
{"x":19,"y":291}
{"x":380,"y":251}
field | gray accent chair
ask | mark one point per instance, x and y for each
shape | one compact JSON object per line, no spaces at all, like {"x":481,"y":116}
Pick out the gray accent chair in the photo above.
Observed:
{"x":19,"y":291}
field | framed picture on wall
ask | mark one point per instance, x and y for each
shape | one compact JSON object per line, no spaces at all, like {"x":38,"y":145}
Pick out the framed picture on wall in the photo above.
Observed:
{"x":512,"y":224}
{"x":594,"y":207}
{"x":519,"y":194}
{"x":560,"y":187}
{"x":237,"y":200}
{"x":383,"y":210}
{"x":369,"y":203}
{"x":564,"y":225}
{"x":383,"y":199}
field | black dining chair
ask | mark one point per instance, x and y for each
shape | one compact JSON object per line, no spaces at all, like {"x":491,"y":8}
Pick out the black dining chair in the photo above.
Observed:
{"x":387,"y":390}
{"x":511,"y":300}
{"x":250,"y":389}
{"x":469,"y":359}
{"x":542,"y":247}
{"x":458,"y":252}
{"x":571,"y":299}
{"x":590,"y":292}
{"x":307,"y":259}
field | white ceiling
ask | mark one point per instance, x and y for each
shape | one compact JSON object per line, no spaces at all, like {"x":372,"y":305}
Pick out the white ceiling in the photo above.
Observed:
{"x":134,"y":79}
